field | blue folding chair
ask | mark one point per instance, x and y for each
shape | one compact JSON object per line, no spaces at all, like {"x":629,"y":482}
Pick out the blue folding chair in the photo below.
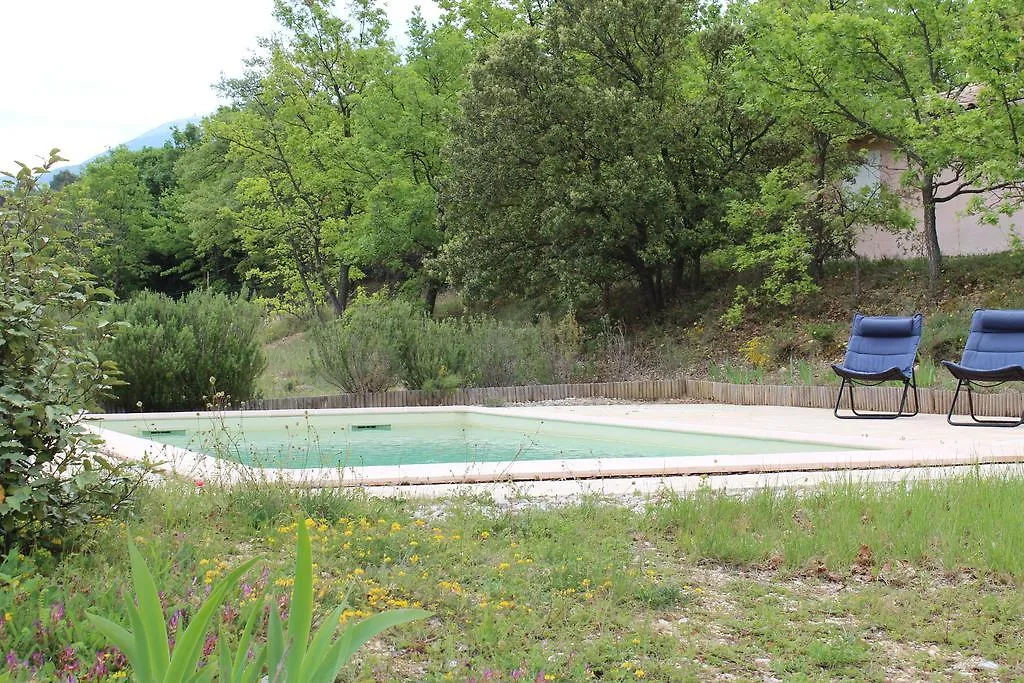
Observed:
{"x":881,"y":349}
{"x":993,"y":355}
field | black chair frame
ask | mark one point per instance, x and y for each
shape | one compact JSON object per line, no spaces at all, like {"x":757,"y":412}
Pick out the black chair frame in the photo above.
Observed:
{"x":875,"y":380}
{"x":979,"y":421}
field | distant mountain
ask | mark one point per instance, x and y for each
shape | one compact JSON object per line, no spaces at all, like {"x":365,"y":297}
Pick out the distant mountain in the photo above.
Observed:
{"x":155,"y":137}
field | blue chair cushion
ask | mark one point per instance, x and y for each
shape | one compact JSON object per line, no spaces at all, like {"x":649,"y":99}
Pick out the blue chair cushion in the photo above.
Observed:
{"x":886,"y":327}
{"x":995,"y":344}
{"x":999,"y":321}
{"x":883,"y":376}
{"x":881,"y":347}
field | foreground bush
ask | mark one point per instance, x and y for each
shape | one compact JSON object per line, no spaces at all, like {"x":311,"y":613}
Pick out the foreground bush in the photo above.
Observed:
{"x":52,"y":478}
{"x":176,"y":355}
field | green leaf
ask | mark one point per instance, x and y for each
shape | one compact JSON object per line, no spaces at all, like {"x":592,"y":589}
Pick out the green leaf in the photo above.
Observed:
{"x":321,"y":644}
{"x":275,"y":644}
{"x":142,"y":662}
{"x":254,"y":671}
{"x":204,"y":675}
{"x":121,"y":637}
{"x":300,"y":619}
{"x":151,"y":614}
{"x":242,"y":651}
{"x":359,"y":634}
{"x":224,"y":673}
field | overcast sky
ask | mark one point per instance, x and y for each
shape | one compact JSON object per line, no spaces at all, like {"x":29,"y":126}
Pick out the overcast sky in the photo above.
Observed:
{"x":83,"y":75}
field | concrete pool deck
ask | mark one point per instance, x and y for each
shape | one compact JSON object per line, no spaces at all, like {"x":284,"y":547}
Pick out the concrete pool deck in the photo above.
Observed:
{"x":924,"y":446}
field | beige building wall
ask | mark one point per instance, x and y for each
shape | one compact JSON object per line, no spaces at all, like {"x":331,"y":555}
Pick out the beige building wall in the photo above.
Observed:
{"x":959,"y":233}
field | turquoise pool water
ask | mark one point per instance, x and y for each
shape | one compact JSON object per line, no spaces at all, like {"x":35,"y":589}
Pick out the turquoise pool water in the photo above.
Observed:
{"x":437,"y":437}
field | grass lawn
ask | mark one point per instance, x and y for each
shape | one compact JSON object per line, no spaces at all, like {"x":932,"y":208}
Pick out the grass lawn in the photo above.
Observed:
{"x":290,"y":371}
{"x":847,"y":581}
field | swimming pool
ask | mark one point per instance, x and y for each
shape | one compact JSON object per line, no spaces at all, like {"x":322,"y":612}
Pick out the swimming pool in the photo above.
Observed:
{"x":799,"y":445}
{"x":308,"y":440}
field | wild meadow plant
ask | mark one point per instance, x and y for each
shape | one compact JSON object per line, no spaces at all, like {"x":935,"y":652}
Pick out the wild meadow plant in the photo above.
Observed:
{"x":286,"y":655}
{"x":678,"y":587}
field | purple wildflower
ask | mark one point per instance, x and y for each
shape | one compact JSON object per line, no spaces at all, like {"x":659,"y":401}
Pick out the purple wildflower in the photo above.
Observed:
{"x":175,"y":621}
{"x":99,"y":668}
{"x":12,"y":661}
{"x":67,"y":661}
{"x":211,"y":642}
{"x":56,"y":612}
{"x":42,"y":632}
{"x":230,"y":613}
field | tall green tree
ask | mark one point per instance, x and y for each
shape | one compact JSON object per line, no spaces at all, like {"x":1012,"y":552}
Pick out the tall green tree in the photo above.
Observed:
{"x":204,"y":203}
{"x":131,"y":234}
{"x":293,"y":129}
{"x":899,"y":72}
{"x":402,"y":125}
{"x":599,"y":148}
{"x":116,"y":214}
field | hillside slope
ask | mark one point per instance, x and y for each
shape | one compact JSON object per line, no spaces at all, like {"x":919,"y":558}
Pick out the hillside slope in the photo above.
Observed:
{"x":796,"y":345}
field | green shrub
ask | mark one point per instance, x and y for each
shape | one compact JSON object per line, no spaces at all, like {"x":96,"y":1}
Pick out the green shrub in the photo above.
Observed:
{"x":434,"y":354}
{"x":380,"y":342}
{"x":504,"y":355}
{"x":619,"y":356}
{"x":185,"y":354}
{"x":359,"y":351}
{"x":52,"y":478}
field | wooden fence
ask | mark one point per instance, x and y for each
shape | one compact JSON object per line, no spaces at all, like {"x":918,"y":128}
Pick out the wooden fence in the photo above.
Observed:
{"x":1003,"y":404}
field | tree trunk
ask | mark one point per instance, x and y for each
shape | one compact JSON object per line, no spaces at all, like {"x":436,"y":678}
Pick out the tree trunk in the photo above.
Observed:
{"x":931,"y":235}
{"x":341,"y":301}
{"x":649,"y":289}
{"x":818,"y":248}
{"x":430,"y":296}
{"x":678,"y":271}
{"x":856,"y":277}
